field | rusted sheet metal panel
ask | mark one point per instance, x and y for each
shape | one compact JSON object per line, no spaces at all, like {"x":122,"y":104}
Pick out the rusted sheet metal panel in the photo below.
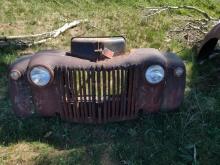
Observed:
{"x":93,"y":48}
{"x":173,"y":92}
{"x":207,"y":46}
{"x":149,"y":96}
{"x":20,"y":94}
{"x":104,"y":91}
{"x":136,"y":57}
{"x":47,"y":100}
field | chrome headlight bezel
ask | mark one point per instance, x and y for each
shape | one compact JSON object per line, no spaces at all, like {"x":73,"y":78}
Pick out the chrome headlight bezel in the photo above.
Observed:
{"x":49,"y":74}
{"x":155,"y":74}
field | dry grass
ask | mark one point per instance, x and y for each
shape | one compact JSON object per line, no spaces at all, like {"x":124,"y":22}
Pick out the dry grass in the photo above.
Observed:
{"x":191,"y":136}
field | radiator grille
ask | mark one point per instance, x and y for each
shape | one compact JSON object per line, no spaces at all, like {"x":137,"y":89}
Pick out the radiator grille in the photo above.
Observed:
{"x":97,"y":95}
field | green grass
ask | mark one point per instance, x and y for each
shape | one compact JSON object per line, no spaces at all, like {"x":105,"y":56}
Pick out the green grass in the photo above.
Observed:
{"x":190,"y":136}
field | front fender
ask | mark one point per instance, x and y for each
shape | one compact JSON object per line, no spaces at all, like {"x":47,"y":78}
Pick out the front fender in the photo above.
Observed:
{"x":209,"y":43}
{"x":19,"y":90}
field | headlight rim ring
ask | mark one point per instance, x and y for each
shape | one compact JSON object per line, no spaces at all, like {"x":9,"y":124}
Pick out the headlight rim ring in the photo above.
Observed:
{"x":51,"y":72}
{"x":164,"y":74}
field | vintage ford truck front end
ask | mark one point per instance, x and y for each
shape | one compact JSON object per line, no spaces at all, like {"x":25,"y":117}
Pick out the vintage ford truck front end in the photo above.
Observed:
{"x":96,"y":82}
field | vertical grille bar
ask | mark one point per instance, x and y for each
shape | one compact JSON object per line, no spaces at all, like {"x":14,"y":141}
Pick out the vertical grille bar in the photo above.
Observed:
{"x":62,"y":79}
{"x":68,"y":95}
{"x":58,"y":72}
{"x":125,"y":90}
{"x":105,"y":109}
{"x":136,"y":71}
{"x":123,"y":99}
{"x":93,"y":93}
{"x":76,"y":105}
{"x":118,"y":86}
{"x":84,"y":94}
{"x":113,"y":93}
{"x":89,"y":92}
{"x":130,"y":87}
{"x":73,"y":95}
{"x":99,"y":96}
{"x":133,"y":92}
{"x":80,"y":88}
{"x":109,"y":114}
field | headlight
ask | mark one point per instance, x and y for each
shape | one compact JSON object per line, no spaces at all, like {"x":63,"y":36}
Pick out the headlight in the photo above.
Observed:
{"x":40,"y":76}
{"x":179,"y":71}
{"x":154,"y":74}
{"x":15,"y":75}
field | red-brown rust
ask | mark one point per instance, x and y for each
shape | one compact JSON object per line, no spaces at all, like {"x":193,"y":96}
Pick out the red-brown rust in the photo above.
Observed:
{"x":93,"y":48}
{"x":99,"y":92}
{"x":151,"y":94}
{"x":173,"y":91}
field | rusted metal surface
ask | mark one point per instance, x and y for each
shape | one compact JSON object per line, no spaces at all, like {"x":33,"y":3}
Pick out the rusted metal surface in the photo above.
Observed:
{"x":207,"y":46}
{"x":97,"y":103}
{"x":98,"y":92}
{"x":20,"y":91}
{"x":174,"y":88}
{"x":95,"y":49}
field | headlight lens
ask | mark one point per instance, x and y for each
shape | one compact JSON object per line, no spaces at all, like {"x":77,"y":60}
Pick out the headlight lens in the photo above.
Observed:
{"x":179,"y":71}
{"x":154,"y":74}
{"x":15,"y":75}
{"x":40,"y":76}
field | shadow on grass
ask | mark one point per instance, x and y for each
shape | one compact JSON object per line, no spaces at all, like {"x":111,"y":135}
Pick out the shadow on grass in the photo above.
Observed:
{"x":152,"y":139}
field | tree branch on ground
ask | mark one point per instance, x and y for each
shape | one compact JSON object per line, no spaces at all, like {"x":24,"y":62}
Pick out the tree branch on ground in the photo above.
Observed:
{"x":193,"y":30}
{"x":30,"y":40}
{"x":158,"y":10}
